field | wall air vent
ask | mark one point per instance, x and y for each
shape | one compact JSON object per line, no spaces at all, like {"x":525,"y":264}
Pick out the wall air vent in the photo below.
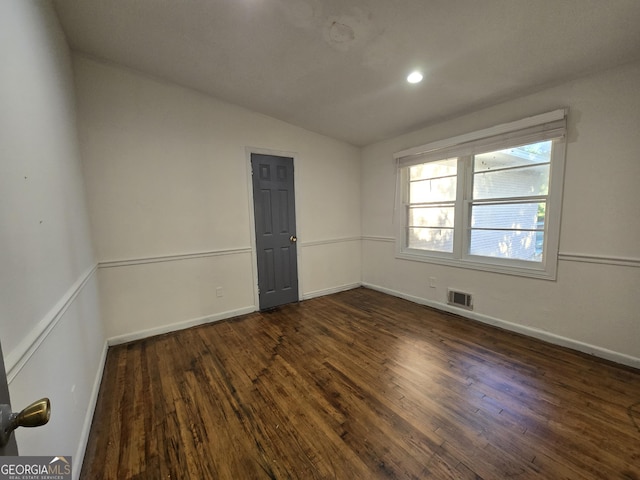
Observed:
{"x":460,"y":299}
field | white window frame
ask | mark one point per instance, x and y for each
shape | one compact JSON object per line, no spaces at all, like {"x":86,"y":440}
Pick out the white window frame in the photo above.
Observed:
{"x":546,"y":126}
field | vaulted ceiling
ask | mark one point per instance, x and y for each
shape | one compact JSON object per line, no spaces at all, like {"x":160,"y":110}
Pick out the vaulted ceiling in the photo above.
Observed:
{"x":339,"y":67}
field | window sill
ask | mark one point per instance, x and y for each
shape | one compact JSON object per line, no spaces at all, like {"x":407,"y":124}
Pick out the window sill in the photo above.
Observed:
{"x":538,"y":272}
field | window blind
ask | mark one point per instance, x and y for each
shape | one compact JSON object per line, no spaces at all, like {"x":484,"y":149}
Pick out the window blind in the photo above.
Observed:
{"x":537,"y":128}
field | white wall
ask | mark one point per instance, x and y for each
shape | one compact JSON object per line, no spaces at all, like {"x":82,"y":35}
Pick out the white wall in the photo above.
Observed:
{"x":594,"y":304}
{"x":49,"y":312}
{"x":167,"y":177}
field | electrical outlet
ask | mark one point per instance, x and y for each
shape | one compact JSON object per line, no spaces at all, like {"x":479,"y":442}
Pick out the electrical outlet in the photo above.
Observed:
{"x":219,"y":292}
{"x":432,"y":282}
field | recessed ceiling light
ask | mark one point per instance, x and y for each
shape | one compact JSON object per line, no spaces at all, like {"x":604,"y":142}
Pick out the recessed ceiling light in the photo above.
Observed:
{"x":414,"y":77}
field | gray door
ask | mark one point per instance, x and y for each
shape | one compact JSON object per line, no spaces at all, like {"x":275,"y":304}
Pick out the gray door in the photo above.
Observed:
{"x":274,"y":212}
{"x":10,"y":448}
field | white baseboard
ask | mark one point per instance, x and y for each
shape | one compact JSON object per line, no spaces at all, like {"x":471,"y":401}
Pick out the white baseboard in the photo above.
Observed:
{"x":329,"y":291}
{"x":78,"y":459}
{"x":139,"y":335}
{"x":549,"y":337}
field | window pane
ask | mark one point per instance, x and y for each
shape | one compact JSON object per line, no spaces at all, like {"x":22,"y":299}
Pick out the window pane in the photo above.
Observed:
{"x":431,"y":217}
{"x":437,"y":190}
{"x":434,"y":239}
{"x":520,"y":182}
{"x":514,"y":157}
{"x":512,"y":215}
{"x":441,"y":168}
{"x":514,"y":244}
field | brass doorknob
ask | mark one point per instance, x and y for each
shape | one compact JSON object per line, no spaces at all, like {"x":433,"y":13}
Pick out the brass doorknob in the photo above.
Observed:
{"x":293,"y":239}
{"x":35,"y":415}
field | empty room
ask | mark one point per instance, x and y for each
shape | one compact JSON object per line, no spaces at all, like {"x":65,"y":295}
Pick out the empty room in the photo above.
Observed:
{"x":247,"y":239}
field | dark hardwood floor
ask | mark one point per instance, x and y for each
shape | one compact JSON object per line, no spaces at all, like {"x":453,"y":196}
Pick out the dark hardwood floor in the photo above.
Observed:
{"x":361,"y":385}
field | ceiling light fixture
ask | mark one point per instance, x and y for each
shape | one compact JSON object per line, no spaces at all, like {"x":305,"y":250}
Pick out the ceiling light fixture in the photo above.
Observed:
{"x":414,"y":77}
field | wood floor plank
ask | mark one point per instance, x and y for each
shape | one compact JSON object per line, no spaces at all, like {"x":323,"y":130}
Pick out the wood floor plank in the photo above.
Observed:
{"x":361,"y":385}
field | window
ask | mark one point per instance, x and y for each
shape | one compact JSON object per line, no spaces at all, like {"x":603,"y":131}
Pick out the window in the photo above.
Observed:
{"x":487,"y":200}
{"x":432,"y":199}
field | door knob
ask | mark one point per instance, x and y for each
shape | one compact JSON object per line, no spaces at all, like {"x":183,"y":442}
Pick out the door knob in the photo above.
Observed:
{"x":293,"y":239}
{"x":35,"y":415}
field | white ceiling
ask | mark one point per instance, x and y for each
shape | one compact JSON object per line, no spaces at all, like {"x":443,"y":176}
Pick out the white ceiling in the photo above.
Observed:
{"x":338,"y":67}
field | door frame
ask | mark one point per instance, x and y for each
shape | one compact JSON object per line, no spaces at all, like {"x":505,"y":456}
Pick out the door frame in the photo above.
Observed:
{"x":252,"y":219}
{"x":11,"y":448}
